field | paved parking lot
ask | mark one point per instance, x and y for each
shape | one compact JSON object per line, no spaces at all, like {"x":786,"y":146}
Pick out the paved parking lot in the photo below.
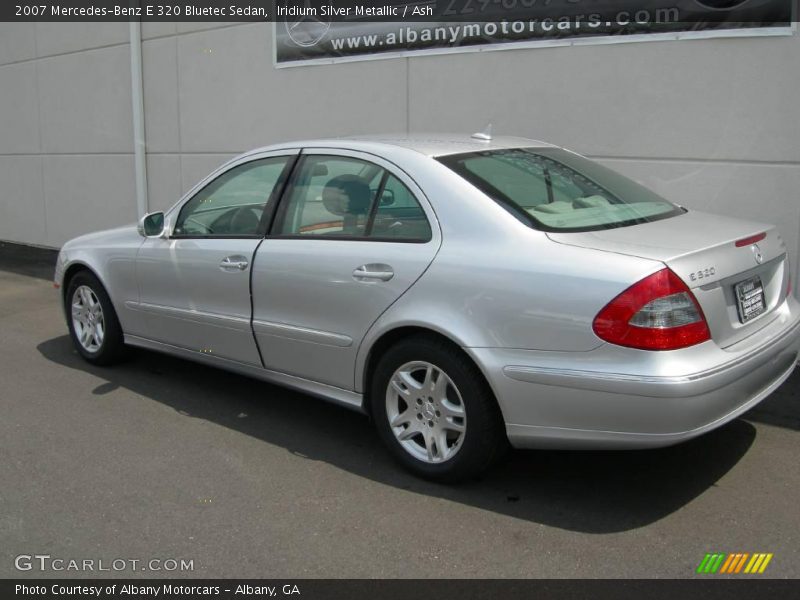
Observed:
{"x":162,"y":458}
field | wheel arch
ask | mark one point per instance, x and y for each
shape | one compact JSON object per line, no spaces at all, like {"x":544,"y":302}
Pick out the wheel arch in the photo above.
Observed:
{"x":73,"y":269}
{"x":79,"y":266}
{"x":395,"y":335}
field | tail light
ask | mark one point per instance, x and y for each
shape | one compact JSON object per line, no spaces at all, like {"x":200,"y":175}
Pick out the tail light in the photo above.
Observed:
{"x":658,"y":313}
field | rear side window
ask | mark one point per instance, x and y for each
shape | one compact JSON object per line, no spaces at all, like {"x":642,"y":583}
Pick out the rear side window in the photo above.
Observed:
{"x":556,"y":190}
{"x":343,"y":197}
{"x":399,"y":215}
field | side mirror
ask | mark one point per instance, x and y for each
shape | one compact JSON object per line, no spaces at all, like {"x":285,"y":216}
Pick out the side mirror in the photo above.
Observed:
{"x":152,"y":225}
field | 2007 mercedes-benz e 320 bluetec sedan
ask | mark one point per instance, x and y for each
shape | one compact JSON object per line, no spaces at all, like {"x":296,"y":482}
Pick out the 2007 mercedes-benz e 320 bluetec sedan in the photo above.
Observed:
{"x":464,"y":292}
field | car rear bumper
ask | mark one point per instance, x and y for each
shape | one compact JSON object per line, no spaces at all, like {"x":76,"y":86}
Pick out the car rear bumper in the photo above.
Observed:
{"x":614,"y":397}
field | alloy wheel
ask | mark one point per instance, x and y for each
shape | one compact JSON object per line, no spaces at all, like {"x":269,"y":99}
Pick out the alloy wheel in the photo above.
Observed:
{"x":87,"y":319}
{"x":426,"y":412}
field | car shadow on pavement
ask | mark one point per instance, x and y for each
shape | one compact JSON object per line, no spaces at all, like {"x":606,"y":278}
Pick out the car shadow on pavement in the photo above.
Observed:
{"x":782,"y":408}
{"x":593,"y":492}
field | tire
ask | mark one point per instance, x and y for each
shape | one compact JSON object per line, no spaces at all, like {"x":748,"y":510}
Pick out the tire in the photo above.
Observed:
{"x":92,"y":321}
{"x":454,"y":409}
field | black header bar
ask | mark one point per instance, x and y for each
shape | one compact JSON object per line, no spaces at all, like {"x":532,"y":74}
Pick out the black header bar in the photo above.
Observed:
{"x":354,"y":11}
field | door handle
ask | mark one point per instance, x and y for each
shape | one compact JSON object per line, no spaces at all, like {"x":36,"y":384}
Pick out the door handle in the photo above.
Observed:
{"x":377,"y":271}
{"x":234,"y":263}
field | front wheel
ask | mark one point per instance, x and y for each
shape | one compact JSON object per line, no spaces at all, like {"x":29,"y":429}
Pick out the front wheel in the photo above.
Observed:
{"x":93,"y":324}
{"x":435,"y":412}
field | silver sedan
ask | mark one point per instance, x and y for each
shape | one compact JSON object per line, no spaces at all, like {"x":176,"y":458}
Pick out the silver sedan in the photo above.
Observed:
{"x":464,"y":292}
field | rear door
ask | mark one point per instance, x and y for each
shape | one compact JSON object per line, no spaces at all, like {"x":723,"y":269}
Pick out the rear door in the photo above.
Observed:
{"x":195,"y":284}
{"x":352,"y":234}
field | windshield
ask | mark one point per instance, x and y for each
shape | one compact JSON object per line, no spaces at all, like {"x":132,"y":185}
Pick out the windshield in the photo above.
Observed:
{"x":556,"y":190}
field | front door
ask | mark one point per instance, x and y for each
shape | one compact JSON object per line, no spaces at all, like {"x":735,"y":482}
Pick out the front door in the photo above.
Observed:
{"x":194,"y":286}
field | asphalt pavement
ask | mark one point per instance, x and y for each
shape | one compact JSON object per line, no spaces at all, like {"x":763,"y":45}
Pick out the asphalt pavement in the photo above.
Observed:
{"x":162,"y":458}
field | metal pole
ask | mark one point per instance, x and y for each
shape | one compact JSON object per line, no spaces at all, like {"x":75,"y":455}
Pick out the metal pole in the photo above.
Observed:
{"x":137,"y":98}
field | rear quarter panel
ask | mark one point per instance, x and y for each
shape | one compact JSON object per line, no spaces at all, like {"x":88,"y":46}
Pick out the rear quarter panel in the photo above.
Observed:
{"x":497,"y":283}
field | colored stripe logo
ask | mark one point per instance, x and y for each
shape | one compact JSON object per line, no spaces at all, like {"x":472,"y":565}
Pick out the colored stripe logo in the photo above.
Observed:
{"x":736,"y":563}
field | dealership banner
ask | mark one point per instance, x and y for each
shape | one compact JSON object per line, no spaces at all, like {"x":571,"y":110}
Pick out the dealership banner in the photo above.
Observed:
{"x":319,"y":32}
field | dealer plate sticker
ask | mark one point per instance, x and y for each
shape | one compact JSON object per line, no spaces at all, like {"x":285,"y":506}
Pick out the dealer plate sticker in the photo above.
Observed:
{"x":751,"y":300}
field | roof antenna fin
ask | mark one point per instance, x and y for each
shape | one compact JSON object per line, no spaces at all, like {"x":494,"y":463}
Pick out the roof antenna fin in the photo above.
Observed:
{"x":485,"y":135}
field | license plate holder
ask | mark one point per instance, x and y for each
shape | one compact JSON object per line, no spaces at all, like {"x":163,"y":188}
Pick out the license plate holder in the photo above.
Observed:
{"x":750,"y":299}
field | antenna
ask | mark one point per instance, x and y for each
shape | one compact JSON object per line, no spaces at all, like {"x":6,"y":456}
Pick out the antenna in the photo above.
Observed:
{"x":485,"y":135}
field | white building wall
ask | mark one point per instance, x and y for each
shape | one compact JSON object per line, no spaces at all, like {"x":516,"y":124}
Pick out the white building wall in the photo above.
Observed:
{"x":66,"y":162}
{"x":710,"y":124}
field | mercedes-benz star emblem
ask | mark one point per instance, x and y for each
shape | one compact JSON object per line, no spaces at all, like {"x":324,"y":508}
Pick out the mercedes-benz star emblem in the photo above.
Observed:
{"x":307,"y":31}
{"x":757,"y":254}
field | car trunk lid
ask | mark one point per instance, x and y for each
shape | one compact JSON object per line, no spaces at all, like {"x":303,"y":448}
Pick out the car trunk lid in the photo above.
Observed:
{"x":702,"y":250}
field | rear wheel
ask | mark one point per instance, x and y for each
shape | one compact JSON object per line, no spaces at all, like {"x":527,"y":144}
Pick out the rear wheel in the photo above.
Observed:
{"x":435,"y":412}
{"x":93,"y":324}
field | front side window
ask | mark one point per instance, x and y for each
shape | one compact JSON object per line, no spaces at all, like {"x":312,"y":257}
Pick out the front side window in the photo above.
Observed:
{"x":337,"y":196}
{"x":556,"y":190}
{"x":233,"y":204}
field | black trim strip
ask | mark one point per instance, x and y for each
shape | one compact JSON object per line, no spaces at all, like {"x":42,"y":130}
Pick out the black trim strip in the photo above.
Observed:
{"x":283,"y":202}
{"x":283,"y":183}
{"x":217,"y":237}
{"x":347,"y":238}
{"x":375,"y":203}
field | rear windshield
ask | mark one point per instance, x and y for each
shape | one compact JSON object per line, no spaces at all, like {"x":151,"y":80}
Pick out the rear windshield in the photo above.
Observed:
{"x":556,"y":190}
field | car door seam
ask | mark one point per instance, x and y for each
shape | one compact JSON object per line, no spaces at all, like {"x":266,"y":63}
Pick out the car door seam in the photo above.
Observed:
{"x":269,"y":225}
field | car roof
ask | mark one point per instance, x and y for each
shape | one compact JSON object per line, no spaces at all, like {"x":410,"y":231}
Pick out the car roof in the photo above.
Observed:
{"x":440,"y":145}
{"x":427,"y":144}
